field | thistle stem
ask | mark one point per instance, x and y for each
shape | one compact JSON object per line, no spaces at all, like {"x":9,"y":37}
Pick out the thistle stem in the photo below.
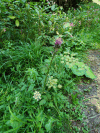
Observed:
{"x":48,"y":70}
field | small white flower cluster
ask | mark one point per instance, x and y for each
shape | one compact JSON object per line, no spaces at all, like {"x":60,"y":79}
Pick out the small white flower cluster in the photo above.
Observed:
{"x":70,"y":61}
{"x":53,"y":83}
{"x":37,"y":95}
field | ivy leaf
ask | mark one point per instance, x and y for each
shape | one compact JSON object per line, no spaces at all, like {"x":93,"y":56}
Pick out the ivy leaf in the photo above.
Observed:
{"x":89,"y":73}
{"x":79,"y":71}
{"x":17,"y":23}
{"x":12,"y":17}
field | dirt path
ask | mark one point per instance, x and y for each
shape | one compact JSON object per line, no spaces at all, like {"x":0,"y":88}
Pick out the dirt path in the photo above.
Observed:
{"x":96,"y":1}
{"x":91,"y":92}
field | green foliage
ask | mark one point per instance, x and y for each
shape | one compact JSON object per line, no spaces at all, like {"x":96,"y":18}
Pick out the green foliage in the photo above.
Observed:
{"x":37,"y":82}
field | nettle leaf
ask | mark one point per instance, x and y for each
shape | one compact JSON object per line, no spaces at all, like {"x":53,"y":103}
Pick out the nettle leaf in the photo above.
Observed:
{"x":12,"y":17}
{"x":89,"y":73}
{"x":79,"y":71}
{"x":17,"y":23}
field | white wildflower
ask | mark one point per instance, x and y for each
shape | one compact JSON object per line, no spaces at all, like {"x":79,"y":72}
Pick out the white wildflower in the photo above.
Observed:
{"x":59,"y":86}
{"x":37,"y":95}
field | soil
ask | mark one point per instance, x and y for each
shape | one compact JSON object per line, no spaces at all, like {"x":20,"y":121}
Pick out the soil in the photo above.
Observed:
{"x":91,"y":91}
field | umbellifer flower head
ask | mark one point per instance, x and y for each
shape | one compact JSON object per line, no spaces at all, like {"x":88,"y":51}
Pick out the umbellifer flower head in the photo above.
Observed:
{"x":37,"y":95}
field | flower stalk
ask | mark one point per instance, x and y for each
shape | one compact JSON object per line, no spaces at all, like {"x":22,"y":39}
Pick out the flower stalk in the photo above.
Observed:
{"x":56,"y":47}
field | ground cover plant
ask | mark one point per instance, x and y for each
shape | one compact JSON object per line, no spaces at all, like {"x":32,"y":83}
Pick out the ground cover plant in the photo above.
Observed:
{"x":41,"y":60}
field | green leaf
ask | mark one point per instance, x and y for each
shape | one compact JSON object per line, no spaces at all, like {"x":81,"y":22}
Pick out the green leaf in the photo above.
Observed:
{"x":89,"y":73}
{"x":66,"y":25}
{"x":12,"y":130}
{"x":79,"y":71}
{"x":17,"y":23}
{"x":14,"y":117}
{"x":31,"y":87}
{"x":48,"y":125}
{"x":37,"y":10}
{"x":42,"y":102}
{"x":53,"y":7}
{"x":80,"y":64}
{"x":2,"y":106}
{"x":51,"y":104}
{"x":42,"y":23}
{"x":49,"y":22}
{"x":12,"y":17}
{"x":23,"y":1}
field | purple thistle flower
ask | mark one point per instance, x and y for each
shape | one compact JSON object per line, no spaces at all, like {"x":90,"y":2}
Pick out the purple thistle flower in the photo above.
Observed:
{"x":4,"y":30}
{"x":71,"y":24}
{"x":58,"y":42}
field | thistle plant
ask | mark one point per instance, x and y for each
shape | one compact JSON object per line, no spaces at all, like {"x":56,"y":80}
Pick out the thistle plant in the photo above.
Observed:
{"x":57,"y":45}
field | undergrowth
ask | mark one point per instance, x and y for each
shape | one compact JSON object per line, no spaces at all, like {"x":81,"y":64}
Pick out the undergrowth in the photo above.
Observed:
{"x":41,"y":60}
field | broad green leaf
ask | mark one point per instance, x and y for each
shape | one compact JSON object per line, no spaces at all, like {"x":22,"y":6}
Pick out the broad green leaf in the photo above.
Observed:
{"x":89,"y":73}
{"x":17,"y":23}
{"x":42,"y":102}
{"x":12,"y":17}
{"x":80,"y":64}
{"x":79,"y":71}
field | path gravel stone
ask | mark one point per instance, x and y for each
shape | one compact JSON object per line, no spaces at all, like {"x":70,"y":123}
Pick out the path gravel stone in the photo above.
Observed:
{"x":93,"y":96}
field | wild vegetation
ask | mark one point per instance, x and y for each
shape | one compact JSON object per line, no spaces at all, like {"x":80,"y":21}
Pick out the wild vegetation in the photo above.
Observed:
{"x":41,"y":60}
